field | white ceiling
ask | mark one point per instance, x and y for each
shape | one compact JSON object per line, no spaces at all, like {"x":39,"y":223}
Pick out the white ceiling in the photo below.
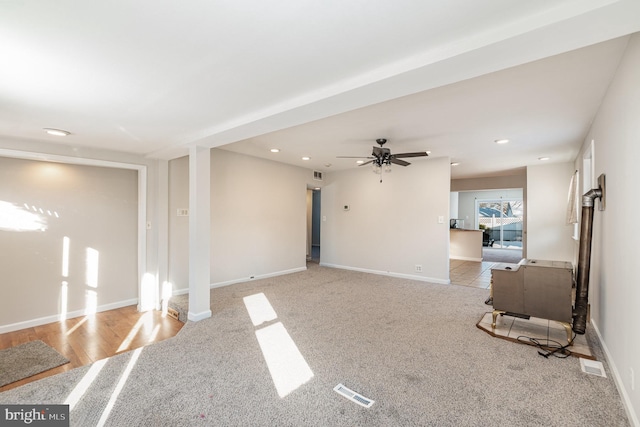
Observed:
{"x":317,"y":78}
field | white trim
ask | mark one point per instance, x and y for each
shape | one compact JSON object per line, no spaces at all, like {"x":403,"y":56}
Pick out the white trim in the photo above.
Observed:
{"x":257,"y":277}
{"x":196,"y":317}
{"x":142,"y":230}
{"x":142,"y":193}
{"x":390,"y":273}
{"x":56,"y":158}
{"x":70,"y":315}
{"x":244,"y":279}
{"x":626,"y":401}
{"x":466,"y":258}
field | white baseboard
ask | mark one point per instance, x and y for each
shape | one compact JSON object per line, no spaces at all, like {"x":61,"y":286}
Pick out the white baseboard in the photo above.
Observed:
{"x":617,"y":379}
{"x":465,"y":258}
{"x":195,"y":317}
{"x":57,"y":317}
{"x":390,"y":273}
{"x":244,"y":279}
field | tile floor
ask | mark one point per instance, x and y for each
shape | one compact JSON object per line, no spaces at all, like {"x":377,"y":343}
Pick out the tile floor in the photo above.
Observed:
{"x":546,"y":332}
{"x":470,"y":273}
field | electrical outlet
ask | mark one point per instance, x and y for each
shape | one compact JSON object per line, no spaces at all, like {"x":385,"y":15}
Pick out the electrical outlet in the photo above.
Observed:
{"x":418,"y":268}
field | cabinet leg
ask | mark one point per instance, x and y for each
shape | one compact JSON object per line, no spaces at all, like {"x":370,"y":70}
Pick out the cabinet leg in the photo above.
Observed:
{"x":567,"y":327}
{"x":494,"y":316}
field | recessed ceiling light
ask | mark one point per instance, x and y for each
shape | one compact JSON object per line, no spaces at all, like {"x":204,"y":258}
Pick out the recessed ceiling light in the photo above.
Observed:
{"x":275,"y":150}
{"x":317,"y":188}
{"x":328,"y":165}
{"x":501,"y":141}
{"x":56,"y":132}
{"x":455,"y":163}
{"x":306,"y":158}
{"x":359,"y":162}
{"x":428,"y":152}
{"x":543,"y":158}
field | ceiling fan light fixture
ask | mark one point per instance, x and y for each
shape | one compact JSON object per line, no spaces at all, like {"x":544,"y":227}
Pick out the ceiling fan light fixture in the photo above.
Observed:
{"x":56,"y":132}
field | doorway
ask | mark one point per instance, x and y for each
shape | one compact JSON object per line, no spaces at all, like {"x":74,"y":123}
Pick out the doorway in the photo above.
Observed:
{"x":501,"y":221}
{"x":313,"y":224}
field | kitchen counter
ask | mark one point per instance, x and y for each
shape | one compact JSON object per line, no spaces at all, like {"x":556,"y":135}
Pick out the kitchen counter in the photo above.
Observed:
{"x":465,"y":244}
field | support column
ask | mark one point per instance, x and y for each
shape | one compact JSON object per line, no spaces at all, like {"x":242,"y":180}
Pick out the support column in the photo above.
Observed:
{"x":162,"y":233}
{"x":199,"y":233}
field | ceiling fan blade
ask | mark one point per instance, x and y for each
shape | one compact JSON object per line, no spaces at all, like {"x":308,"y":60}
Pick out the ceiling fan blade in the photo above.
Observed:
{"x":416,"y":154}
{"x":399,"y":162}
{"x":355,"y":157}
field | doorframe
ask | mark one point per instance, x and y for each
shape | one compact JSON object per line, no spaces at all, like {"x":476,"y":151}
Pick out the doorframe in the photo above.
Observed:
{"x":501,"y":200}
{"x":142,"y":195}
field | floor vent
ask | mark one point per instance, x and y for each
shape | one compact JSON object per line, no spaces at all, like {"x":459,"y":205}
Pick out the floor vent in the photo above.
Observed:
{"x":592,"y":367}
{"x":353,"y":396}
{"x":173,"y":313}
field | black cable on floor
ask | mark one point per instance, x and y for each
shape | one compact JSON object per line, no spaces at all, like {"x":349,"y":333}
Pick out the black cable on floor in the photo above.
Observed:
{"x":557,"y":350}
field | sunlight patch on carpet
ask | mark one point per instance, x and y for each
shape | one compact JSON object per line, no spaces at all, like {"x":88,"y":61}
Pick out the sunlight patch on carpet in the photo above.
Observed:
{"x":81,"y":388}
{"x":286,"y":364}
{"x":259,"y":309}
{"x":123,"y":380}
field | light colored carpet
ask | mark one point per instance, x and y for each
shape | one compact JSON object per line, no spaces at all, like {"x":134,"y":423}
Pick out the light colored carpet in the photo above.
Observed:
{"x":25,"y":360}
{"x":412,"y":347}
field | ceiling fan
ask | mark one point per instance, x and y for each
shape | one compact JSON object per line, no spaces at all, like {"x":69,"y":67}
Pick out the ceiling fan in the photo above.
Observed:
{"x":381,"y":158}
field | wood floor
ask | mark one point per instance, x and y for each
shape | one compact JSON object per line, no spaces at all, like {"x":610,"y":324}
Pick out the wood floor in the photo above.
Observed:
{"x":84,"y":340}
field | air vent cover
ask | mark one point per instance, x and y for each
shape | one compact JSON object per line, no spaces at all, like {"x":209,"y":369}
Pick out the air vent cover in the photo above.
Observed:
{"x":353,"y":396}
{"x":317,"y":175}
{"x":592,"y":367}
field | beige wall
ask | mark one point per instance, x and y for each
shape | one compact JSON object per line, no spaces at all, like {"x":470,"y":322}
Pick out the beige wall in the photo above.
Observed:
{"x":258,"y":218}
{"x":392,"y":226}
{"x":96,"y":210}
{"x":549,"y":237}
{"x":614,"y":291}
{"x":490,"y":183}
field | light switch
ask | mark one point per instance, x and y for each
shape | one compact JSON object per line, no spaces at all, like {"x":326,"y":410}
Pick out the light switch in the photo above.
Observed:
{"x":324,"y":218}
{"x":440,"y":219}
